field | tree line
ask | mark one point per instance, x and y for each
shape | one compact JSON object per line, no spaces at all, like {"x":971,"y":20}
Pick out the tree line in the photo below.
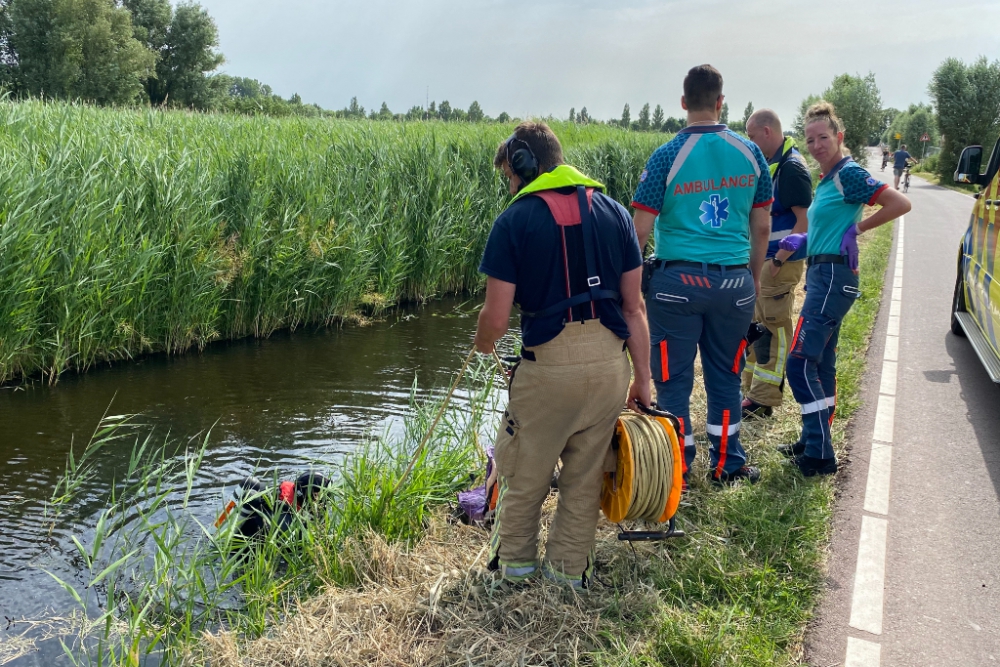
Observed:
{"x":964,"y":110}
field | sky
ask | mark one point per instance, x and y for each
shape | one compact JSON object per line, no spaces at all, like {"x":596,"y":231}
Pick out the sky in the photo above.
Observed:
{"x":542,"y":58}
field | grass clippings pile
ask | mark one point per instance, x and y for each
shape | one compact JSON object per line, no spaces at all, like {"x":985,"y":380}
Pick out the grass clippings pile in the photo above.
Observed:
{"x":436,"y":605}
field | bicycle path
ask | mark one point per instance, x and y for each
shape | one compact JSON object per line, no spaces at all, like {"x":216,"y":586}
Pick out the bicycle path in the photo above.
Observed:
{"x":914,"y":565}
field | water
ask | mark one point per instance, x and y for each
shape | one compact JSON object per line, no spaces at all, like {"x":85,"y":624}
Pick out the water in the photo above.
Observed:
{"x":275,"y":404}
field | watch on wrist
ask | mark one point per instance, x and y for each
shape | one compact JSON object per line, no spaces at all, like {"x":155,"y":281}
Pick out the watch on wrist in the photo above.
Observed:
{"x":777,"y":262}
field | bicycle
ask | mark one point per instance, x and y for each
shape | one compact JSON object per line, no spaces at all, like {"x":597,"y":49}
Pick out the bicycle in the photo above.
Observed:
{"x":906,"y":179}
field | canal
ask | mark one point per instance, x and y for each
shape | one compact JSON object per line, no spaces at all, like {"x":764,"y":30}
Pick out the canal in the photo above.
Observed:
{"x":279,"y":404}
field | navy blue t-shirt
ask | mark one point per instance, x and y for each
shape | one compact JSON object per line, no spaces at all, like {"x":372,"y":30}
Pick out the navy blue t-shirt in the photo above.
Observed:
{"x":525,"y":248}
{"x":899,"y":159}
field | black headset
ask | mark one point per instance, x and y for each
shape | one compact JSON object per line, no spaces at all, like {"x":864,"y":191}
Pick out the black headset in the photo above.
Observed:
{"x":523,"y":161}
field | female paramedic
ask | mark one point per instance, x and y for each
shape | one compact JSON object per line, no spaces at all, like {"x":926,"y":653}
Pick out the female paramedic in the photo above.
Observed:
{"x":835,"y":221}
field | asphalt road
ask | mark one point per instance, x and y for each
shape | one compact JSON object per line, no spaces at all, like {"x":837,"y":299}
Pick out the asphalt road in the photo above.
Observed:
{"x":942,"y":556}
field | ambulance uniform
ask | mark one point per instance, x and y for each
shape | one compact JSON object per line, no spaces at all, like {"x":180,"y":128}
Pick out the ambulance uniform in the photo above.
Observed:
{"x":831,"y":289}
{"x":702,"y":186}
{"x":764,"y":376}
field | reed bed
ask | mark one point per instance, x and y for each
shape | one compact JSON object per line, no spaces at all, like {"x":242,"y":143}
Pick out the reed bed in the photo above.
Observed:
{"x":124,"y":232}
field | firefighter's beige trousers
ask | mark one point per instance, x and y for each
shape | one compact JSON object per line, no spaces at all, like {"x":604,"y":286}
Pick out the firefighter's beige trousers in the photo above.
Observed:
{"x":765,"y":367}
{"x":562,"y":405}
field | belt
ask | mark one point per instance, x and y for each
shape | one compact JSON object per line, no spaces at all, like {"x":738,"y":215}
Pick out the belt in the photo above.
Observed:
{"x":826,"y":259}
{"x":697,"y":265}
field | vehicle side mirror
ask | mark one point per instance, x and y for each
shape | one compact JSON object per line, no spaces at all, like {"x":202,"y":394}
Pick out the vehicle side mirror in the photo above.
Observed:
{"x":969,"y":165}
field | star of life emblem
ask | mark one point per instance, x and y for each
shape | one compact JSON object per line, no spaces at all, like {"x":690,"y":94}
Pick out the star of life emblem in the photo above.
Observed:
{"x":714,"y":211}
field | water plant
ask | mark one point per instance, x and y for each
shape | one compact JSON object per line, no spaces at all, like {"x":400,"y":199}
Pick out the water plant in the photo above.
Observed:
{"x":156,"y":573}
{"x":124,"y":232}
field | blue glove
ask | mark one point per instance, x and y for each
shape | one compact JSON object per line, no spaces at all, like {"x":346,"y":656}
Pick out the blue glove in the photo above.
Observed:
{"x":849,"y":246}
{"x":792,"y":242}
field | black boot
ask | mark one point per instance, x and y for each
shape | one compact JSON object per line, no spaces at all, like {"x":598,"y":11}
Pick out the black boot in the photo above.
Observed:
{"x":749,"y":473}
{"x":752,"y":409}
{"x":810,"y":467}
{"x":793,"y":450}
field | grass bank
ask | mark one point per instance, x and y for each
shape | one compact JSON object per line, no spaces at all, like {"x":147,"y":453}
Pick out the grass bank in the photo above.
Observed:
{"x":370,"y":581}
{"x":124,"y":232}
{"x":935,"y":179}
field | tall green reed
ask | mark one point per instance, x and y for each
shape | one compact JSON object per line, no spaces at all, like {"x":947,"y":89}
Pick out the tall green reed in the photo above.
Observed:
{"x":158,"y":573}
{"x":124,"y":232}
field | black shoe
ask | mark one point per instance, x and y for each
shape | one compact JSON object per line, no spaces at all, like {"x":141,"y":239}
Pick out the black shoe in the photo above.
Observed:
{"x":792,"y":451}
{"x":810,"y":467}
{"x":752,"y":409}
{"x":749,"y":473}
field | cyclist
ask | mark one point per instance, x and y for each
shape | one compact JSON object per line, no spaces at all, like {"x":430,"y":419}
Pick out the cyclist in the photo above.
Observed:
{"x":885,"y":156}
{"x":900,"y":160}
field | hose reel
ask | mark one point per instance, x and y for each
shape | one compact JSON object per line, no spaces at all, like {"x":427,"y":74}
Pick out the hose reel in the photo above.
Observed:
{"x":646,"y":484}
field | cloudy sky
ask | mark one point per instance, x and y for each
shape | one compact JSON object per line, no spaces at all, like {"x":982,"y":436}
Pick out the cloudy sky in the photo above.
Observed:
{"x":540,"y":58}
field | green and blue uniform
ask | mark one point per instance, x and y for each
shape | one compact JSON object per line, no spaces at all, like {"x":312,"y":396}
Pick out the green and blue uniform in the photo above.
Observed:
{"x":702,"y":186}
{"x":831,"y":289}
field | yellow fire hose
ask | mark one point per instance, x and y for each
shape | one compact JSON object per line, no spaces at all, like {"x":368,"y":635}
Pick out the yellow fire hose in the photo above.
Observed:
{"x":646,"y":484}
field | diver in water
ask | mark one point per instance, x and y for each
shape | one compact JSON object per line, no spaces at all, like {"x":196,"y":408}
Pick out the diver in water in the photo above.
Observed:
{"x":260,"y":506}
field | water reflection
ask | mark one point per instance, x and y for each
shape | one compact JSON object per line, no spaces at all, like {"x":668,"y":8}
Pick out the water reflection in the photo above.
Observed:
{"x":282,"y":402}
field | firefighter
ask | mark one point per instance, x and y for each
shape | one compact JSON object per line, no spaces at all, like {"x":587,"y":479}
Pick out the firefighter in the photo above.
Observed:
{"x":568,"y":256}
{"x":764,"y":376}
{"x":707,"y":195}
{"x":835,"y":221}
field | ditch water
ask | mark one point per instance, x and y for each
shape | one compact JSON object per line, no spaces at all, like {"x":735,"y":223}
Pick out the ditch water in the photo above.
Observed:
{"x":272,"y":405}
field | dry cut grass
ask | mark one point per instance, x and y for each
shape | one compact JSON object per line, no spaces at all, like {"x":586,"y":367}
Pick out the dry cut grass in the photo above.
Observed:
{"x":435,"y":605}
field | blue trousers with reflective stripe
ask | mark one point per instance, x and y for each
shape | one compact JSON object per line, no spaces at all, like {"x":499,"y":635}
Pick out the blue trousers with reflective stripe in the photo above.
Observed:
{"x":811,"y":371}
{"x":693,"y":309}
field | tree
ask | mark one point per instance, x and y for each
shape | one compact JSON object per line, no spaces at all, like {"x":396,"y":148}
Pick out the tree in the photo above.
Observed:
{"x":150,"y":21}
{"x":859,"y":104}
{"x":187,"y":58}
{"x":384,"y":113}
{"x":799,"y":125}
{"x":724,"y":118}
{"x":888,"y":116}
{"x":584,"y":117}
{"x":444,"y":111}
{"x":967,"y":99}
{"x":476,"y":114}
{"x":657,"y":118}
{"x":626,"y":121}
{"x":354,"y":110}
{"x":747,"y":113}
{"x":504,"y":117}
{"x":643,"y":123}
{"x":672,"y":125}
{"x":82,"y":49}
{"x":913,"y":124}
{"x":572,"y":114}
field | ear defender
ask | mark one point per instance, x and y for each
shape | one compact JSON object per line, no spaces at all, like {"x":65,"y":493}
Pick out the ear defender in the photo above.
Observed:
{"x":522,"y":161}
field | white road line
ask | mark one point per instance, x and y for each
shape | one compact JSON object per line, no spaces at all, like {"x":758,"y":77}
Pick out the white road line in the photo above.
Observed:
{"x":893,"y":328}
{"x":868,"y":598}
{"x":869,"y":577}
{"x":888,"y":386}
{"x":879,"y":469}
{"x":862,"y":653}
{"x":891,"y":348}
{"x":885,"y":415}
